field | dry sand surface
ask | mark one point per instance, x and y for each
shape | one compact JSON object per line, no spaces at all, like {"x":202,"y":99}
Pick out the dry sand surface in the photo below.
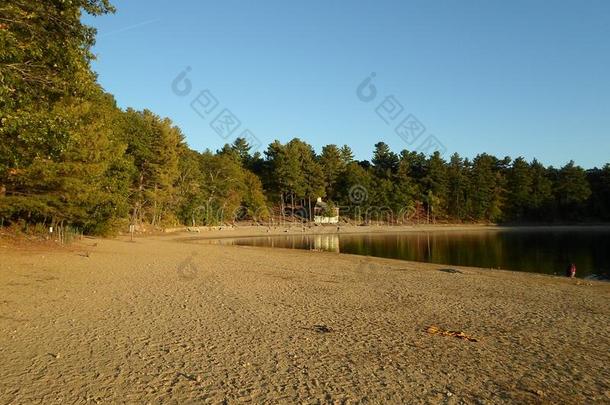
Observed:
{"x":175,"y":320}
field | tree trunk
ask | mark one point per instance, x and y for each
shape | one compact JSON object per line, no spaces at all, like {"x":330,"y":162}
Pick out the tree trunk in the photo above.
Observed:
{"x":282,"y":209}
{"x":310,"y":213}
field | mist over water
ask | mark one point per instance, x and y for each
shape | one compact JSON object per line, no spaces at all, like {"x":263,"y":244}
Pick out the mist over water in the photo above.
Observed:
{"x":537,"y":251}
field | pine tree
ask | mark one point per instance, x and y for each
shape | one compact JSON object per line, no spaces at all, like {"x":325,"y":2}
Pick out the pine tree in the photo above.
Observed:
{"x":572,"y":191}
{"x":435,"y":185}
{"x":457,"y":187}
{"x":332,"y":167}
{"x":56,"y":136}
{"x":485,"y":193}
{"x":599,"y":205}
{"x":405,"y":190}
{"x":385,"y":162}
{"x":241,"y":147}
{"x":155,"y":145}
{"x":541,"y":197}
{"x":347,"y":156}
{"x":519,"y":189}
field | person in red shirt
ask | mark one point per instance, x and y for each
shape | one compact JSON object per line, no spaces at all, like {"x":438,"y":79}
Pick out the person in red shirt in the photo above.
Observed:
{"x":571,"y":270}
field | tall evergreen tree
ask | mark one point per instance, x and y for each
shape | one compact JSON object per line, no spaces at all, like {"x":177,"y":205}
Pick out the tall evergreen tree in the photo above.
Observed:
{"x":155,"y":145}
{"x":347,"y":156}
{"x":519,"y":190}
{"x":485,"y":196}
{"x":332,"y":167}
{"x":385,"y":162}
{"x":435,"y":185}
{"x":457,"y":187}
{"x":56,"y":137}
{"x":572,"y":191}
{"x":405,"y":190}
{"x":599,"y":205}
{"x":541,"y":197}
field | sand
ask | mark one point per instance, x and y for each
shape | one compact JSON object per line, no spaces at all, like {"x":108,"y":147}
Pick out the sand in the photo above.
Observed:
{"x":173,"y":319}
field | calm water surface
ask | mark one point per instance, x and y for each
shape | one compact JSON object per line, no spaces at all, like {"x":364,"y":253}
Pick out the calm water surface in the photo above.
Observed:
{"x":539,"y":251}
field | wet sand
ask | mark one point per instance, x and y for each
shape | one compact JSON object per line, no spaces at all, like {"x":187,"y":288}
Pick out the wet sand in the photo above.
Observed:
{"x":174,"y":320}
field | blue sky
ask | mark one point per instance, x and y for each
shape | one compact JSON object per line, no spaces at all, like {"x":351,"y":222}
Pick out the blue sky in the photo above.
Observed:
{"x":517,"y":78}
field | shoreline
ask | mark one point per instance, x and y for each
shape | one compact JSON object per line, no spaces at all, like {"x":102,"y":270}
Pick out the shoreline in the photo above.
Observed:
{"x":397,"y":262}
{"x":251,"y":231}
{"x":355,"y":256}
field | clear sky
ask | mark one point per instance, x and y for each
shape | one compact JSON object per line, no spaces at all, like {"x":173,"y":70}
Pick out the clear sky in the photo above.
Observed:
{"x":517,"y":78}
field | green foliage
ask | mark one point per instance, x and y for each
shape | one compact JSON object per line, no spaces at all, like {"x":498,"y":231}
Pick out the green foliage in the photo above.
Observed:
{"x":571,"y":190}
{"x":253,"y":199}
{"x":385,"y":161}
{"x":333,"y":166}
{"x":58,"y":148}
{"x":45,"y":51}
{"x":81,"y":182}
{"x":519,"y":188}
{"x":330,"y":210}
{"x":154,"y":146}
{"x":435,"y":185}
{"x":294,"y":172}
{"x":355,"y":191}
{"x":485,"y":194}
{"x":599,"y":202}
{"x":216,"y":188}
{"x":457,"y":187}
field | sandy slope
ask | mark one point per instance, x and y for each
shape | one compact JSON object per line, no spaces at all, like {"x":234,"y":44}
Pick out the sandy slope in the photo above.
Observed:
{"x":163,"y":320}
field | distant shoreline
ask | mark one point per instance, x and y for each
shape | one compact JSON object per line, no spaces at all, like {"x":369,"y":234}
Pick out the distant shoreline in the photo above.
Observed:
{"x":252,"y":231}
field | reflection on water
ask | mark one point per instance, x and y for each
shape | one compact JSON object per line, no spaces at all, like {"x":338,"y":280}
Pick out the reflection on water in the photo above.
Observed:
{"x":540,"y":251}
{"x":327,"y":243}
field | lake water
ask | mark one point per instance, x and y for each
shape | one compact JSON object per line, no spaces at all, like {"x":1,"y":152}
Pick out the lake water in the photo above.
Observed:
{"x":539,"y":251}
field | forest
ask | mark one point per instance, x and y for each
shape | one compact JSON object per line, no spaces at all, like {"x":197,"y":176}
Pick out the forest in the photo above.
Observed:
{"x":70,"y":157}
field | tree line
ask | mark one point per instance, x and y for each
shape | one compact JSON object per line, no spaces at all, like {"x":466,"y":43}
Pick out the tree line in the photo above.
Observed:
{"x":70,"y":156}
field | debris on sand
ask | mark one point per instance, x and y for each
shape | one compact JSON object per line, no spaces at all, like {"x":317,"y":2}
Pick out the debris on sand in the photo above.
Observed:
{"x":191,"y":377}
{"x":452,"y":271}
{"x":322,"y":329}
{"x":435,"y":330}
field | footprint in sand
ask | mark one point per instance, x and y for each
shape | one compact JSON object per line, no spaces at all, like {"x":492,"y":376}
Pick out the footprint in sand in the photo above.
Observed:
{"x":187,"y":270}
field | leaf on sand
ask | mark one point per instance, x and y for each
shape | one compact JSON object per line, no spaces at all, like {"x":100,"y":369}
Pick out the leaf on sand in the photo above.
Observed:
{"x":322,"y":329}
{"x":435,"y":330}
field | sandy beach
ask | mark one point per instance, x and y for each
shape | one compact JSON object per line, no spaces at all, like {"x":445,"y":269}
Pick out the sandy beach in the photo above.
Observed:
{"x":173,"y":319}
